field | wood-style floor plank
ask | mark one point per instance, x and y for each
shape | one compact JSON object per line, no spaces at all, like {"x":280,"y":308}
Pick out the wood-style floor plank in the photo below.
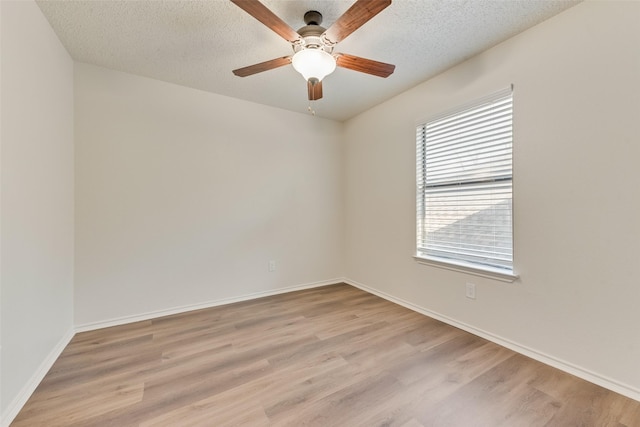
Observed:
{"x":331,"y":356}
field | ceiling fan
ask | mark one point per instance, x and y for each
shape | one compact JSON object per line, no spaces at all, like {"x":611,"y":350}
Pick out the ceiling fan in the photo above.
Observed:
{"x":313,"y":45}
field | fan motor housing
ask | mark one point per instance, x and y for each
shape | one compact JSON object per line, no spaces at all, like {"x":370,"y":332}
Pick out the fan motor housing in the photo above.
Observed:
{"x":311,"y":33}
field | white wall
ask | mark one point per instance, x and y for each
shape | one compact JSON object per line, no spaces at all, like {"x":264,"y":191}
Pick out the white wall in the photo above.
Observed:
{"x":576,"y":194}
{"x":183,"y":196}
{"x":37,"y":200}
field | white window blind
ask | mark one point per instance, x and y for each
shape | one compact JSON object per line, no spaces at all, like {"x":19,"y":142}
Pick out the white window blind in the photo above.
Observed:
{"x":464,"y":185}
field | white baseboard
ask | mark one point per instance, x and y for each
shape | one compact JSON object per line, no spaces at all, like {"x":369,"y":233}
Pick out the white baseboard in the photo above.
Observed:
{"x":185,"y":308}
{"x":16,"y":404}
{"x":585,"y":374}
{"x":14,"y":407}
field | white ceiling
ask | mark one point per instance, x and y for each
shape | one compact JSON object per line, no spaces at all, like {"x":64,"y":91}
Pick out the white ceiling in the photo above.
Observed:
{"x":198,"y":43}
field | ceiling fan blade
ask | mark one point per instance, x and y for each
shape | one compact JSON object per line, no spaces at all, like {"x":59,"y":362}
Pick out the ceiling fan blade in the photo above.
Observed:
{"x":263,"y":66}
{"x":268,"y":18}
{"x":364,"y":65}
{"x":315,"y":90}
{"x":355,"y":17}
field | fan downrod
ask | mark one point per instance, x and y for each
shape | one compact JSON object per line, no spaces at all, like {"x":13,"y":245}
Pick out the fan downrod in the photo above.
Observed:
{"x":313,"y":17}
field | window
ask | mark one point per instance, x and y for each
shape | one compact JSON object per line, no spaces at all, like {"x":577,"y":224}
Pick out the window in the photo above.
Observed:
{"x":464,"y":188}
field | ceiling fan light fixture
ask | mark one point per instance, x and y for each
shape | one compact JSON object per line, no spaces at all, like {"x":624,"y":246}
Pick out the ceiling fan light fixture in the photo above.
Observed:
{"x":313,"y":63}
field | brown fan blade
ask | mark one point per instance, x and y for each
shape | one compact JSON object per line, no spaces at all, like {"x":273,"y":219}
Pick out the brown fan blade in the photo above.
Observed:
{"x":268,"y":18}
{"x":355,"y":17}
{"x":314,"y":87}
{"x":263,"y":66}
{"x":364,"y":65}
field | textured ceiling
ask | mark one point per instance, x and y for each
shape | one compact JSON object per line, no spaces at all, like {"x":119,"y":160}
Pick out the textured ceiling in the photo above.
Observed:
{"x":198,"y":43}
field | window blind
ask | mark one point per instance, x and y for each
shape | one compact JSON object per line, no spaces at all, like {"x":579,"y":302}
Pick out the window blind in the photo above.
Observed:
{"x":464,"y":184}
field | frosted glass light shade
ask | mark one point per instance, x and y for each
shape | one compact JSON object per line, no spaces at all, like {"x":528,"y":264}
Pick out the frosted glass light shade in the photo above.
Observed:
{"x":313,"y":63}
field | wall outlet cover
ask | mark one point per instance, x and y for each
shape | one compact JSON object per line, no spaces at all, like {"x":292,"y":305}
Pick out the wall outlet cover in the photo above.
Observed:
{"x":471,"y":291}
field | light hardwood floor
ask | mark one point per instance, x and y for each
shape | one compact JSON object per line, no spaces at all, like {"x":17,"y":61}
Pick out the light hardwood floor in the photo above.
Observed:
{"x":331,"y":356}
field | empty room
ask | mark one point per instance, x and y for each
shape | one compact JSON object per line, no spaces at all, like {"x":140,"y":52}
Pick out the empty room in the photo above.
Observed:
{"x":320,"y":213}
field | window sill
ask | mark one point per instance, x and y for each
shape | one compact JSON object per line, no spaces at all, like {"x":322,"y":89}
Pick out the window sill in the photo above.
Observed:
{"x":488,"y":272}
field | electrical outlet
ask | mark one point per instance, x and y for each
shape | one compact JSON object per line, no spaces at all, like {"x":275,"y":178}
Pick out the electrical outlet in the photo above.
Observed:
{"x":272,"y":266}
{"x":471,"y":291}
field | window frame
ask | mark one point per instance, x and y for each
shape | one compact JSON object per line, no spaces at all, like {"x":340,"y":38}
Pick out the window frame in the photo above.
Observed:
{"x":457,"y":264}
